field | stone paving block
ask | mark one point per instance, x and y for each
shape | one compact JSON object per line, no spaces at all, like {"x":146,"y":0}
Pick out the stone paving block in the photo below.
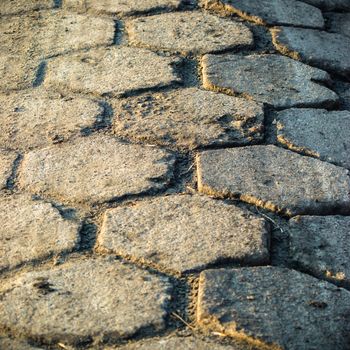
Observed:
{"x":13,"y":344}
{"x":320,"y":245}
{"x":120,"y":7}
{"x":338,"y":23}
{"x":37,"y":118}
{"x":274,"y":308}
{"x":275,"y":179}
{"x":11,"y":7}
{"x":316,"y":132}
{"x":185,"y":233}
{"x":271,"y":12}
{"x":273,"y":79}
{"x":33,"y":229}
{"x":94,"y":170}
{"x":330,"y":5}
{"x":329,"y":51}
{"x":188,"y":33}
{"x":189,"y":118}
{"x":7,"y":160}
{"x":111,"y":71}
{"x":80,"y":300}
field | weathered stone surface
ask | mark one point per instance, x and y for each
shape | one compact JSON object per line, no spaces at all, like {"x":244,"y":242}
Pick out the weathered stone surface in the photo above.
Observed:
{"x":273,"y":79}
{"x":320,"y":245}
{"x":325,"y":50}
{"x":271,"y":12}
{"x":37,"y":118}
{"x":12,"y":344}
{"x":330,"y":4}
{"x":10,"y":7}
{"x":274,"y":178}
{"x":185,"y":233}
{"x":189,"y":118}
{"x":275,"y":307}
{"x":83,"y":299}
{"x":338,"y":23}
{"x":188,"y":33}
{"x":32,"y":229}
{"x":6,"y":162}
{"x":120,"y":7}
{"x":112,"y":71}
{"x":95,"y":169}
{"x":316,"y":132}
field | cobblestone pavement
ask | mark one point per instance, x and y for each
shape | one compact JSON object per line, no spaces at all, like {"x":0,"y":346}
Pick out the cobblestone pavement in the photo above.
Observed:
{"x":174,"y":174}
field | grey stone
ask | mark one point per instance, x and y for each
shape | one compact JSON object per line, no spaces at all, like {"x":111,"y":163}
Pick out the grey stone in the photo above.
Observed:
{"x":10,"y":7}
{"x":185,"y":233}
{"x":320,"y":245}
{"x":189,"y":118}
{"x":338,"y":23}
{"x":7,"y":160}
{"x":271,"y":12}
{"x":84,"y":299}
{"x":13,"y":344}
{"x":112,"y":71}
{"x":316,"y":132}
{"x":273,"y":79}
{"x":120,"y":7}
{"x":274,"y":308}
{"x":330,"y":4}
{"x":275,"y":179}
{"x":94,"y":170}
{"x":32,"y":229}
{"x":37,"y":118}
{"x":325,"y":50}
{"x":188,"y":33}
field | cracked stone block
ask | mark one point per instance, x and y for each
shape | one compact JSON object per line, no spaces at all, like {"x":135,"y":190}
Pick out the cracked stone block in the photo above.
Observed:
{"x":13,"y":344}
{"x":274,"y":308}
{"x":95,"y":169}
{"x":271,"y":12}
{"x":120,"y":7}
{"x":320,"y":245}
{"x":188,"y":33}
{"x":272,"y":79}
{"x":274,"y":178}
{"x":329,"y":51}
{"x":316,"y":132}
{"x":189,"y":118}
{"x":185,"y":233}
{"x":7,"y":160}
{"x":330,"y":5}
{"x":338,"y":23}
{"x":33,"y":229}
{"x":83,"y":299}
{"x":10,"y":7}
{"x":111,"y":71}
{"x":38,"y":118}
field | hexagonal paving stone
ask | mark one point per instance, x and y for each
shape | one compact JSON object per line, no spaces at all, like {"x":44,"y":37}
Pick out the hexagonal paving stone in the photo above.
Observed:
{"x":316,"y":132}
{"x":13,"y":344}
{"x":84,"y":299}
{"x":121,"y":7}
{"x":325,"y":50}
{"x":330,"y":4}
{"x":112,"y":71}
{"x":273,"y":79}
{"x":33,"y":229}
{"x":185,"y":233}
{"x":320,"y":245}
{"x":271,"y":12}
{"x":95,"y":169}
{"x":338,"y":23}
{"x":274,"y":308}
{"x":188,"y":33}
{"x":38,"y":118}
{"x":274,"y":178}
{"x":189,"y":118}
{"x":10,"y":7}
{"x":7,"y":160}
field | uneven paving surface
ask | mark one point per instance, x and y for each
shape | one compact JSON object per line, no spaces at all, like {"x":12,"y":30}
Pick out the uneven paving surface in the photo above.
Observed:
{"x":174,"y":174}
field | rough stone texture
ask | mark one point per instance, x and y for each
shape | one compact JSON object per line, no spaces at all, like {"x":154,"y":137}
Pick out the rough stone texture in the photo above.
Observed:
{"x":83,"y":299}
{"x":32,"y":229}
{"x":12,"y":344}
{"x":316,"y":132}
{"x":95,"y":169}
{"x":271,"y":12}
{"x":7,"y":160}
{"x":325,"y":50}
{"x":275,"y":307}
{"x":330,"y":4}
{"x":111,"y":71}
{"x":189,"y":118}
{"x":37,"y":118}
{"x":120,"y":7}
{"x":10,"y":7}
{"x":273,"y":79}
{"x":320,"y":245}
{"x":338,"y":23}
{"x":188,"y":33}
{"x":185,"y":233}
{"x":274,"y":178}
